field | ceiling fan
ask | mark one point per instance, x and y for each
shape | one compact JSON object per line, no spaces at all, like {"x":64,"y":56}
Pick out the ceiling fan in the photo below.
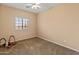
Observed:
{"x":33,"y":5}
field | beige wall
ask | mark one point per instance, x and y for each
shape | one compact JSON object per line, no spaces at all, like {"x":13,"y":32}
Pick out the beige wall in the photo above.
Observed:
{"x":7,"y":23}
{"x":61,"y":25}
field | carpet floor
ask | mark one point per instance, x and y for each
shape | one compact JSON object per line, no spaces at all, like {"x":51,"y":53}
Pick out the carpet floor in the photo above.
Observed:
{"x":36,"y":46}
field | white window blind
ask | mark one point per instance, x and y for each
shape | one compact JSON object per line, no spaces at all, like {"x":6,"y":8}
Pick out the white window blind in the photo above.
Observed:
{"x":21,"y":23}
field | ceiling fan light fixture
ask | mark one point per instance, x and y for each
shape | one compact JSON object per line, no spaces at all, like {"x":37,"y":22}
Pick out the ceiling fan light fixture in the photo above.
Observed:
{"x":35,"y":6}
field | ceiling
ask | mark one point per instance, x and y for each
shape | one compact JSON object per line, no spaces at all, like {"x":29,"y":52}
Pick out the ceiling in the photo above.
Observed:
{"x":22,"y":6}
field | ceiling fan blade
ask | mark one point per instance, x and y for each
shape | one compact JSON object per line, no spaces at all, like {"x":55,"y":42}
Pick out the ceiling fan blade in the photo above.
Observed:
{"x":29,"y":5}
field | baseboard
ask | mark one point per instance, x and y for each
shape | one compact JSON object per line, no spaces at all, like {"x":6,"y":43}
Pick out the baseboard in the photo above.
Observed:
{"x":58,"y":43}
{"x":24,"y":39}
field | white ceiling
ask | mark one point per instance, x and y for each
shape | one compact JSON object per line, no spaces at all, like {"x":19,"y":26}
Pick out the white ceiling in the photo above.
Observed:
{"x":22,"y":6}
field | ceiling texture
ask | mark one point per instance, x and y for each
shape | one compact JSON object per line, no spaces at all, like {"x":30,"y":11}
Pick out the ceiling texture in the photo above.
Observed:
{"x":25,"y":6}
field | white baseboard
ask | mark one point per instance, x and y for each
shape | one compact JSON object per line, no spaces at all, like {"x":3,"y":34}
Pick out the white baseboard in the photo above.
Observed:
{"x":25,"y":39}
{"x":58,"y":43}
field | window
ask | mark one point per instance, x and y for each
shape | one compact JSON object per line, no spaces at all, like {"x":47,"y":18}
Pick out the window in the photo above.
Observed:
{"x":21,"y":23}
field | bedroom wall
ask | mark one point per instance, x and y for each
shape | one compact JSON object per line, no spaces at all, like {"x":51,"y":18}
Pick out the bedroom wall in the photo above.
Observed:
{"x":60,"y":25}
{"x":7,"y":23}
